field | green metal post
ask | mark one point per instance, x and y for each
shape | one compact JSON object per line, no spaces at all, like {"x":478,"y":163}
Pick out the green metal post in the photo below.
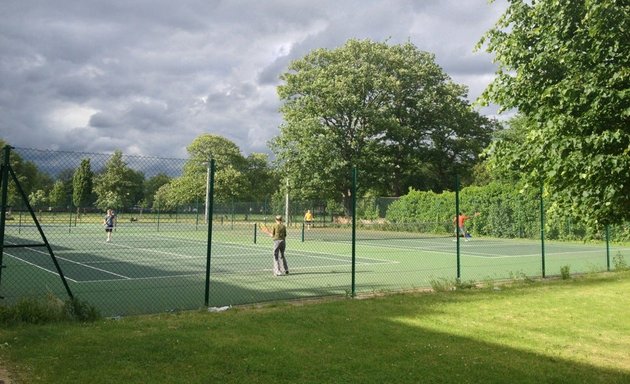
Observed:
{"x":354,"y":228}
{"x":209,"y":245}
{"x":459,"y":271}
{"x":255,"y":232}
{"x":41,"y":231}
{"x":303,"y":232}
{"x":4,"y":188}
{"x":542,"y":230}
{"x":196,"y":213}
{"x":607,"y":248}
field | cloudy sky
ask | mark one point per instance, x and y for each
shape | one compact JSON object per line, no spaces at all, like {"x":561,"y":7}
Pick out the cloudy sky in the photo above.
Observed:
{"x":149,"y":76}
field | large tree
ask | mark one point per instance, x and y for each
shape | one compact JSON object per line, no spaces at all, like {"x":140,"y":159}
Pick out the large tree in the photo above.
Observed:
{"x":118,"y":186}
{"x":389,"y":110}
{"x":58,"y":196}
{"x":29,"y":177}
{"x":564,"y":66}
{"x":82,"y":182}
{"x":236,"y":177}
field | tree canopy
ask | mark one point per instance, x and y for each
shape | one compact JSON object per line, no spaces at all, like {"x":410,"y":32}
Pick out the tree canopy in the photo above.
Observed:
{"x":118,"y":186}
{"x":82,"y":181}
{"x":389,"y":110}
{"x":236,"y":177}
{"x":565,"y":66}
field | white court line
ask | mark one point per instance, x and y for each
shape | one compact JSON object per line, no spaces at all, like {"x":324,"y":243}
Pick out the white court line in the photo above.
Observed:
{"x":78,"y":263}
{"x":37,"y":266}
{"x":240,"y":272}
{"x":332,"y":256}
{"x":151,"y":250}
{"x":494,"y":256}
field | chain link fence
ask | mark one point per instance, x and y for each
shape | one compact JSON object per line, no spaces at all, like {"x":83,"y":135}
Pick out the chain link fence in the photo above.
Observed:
{"x":174,"y":247}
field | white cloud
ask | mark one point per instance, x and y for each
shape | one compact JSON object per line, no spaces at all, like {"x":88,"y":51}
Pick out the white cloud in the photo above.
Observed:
{"x":147,"y":77}
{"x":69,"y":117}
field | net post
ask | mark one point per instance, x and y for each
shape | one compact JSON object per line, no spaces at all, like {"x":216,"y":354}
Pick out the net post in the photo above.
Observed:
{"x":303,"y":232}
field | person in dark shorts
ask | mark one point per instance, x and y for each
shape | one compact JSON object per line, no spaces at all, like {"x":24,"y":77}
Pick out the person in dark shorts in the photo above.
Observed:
{"x":109,"y":222}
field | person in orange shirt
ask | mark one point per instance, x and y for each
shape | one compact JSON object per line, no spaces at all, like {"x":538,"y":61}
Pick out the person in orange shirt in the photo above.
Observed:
{"x":461,"y":225}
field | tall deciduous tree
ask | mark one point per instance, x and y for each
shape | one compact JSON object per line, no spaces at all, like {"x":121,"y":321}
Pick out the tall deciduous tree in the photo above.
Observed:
{"x":262,"y":180}
{"x":82,"y":182}
{"x":118,"y":186}
{"x":389,"y":110}
{"x":29,"y":177}
{"x":236,"y":177}
{"x":564,"y":66}
{"x":58,"y":196}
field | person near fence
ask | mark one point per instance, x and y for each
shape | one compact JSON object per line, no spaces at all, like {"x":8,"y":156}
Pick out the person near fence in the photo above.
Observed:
{"x":460,"y":222}
{"x":109,"y":222}
{"x":278,"y":233}
{"x":308,"y":219}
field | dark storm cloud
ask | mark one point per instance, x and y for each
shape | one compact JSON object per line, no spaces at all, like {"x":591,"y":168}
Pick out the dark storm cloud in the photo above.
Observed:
{"x":147,"y":77}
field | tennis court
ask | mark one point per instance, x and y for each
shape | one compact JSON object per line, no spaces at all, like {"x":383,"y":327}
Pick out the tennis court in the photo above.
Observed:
{"x":147,"y":269}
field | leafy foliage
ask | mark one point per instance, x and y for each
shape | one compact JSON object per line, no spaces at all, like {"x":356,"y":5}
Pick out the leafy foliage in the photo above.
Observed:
{"x":506,"y":211}
{"x":82,"y":182}
{"x":48,"y":309}
{"x":565,"y":66}
{"x":391,"y":111}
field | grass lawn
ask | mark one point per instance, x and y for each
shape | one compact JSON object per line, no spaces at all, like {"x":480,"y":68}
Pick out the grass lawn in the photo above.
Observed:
{"x":560,"y":331}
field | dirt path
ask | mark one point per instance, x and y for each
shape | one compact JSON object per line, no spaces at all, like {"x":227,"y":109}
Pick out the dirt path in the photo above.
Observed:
{"x":4,"y":376}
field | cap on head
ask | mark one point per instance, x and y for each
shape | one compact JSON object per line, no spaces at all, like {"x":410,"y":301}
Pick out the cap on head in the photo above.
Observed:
{"x":279,"y":218}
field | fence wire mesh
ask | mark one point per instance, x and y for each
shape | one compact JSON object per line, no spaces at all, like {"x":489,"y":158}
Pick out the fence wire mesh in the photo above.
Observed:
{"x":197,"y":252}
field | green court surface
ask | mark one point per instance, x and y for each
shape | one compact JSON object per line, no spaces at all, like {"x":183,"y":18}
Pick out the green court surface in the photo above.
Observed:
{"x":146,"y":269}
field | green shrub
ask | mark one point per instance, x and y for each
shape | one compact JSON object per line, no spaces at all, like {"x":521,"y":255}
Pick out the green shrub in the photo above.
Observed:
{"x":507,"y":211}
{"x":565,"y":272}
{"x":49,"y":309}
{"x":619,"y":262}
{"x":443,"y":284}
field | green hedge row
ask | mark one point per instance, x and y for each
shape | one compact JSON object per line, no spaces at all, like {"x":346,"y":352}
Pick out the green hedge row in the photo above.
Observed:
{"x":505,"y":212}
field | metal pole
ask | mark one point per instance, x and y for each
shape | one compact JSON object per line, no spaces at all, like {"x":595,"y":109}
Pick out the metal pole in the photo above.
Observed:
{"x":607,"y":248}
{"x":209,"y":245}
{"x":4,"y":188}
{"x":354,"y":229}
{"x":542,"y":230}
{"x":208,"y":165}
{"x":286,"y":204}
{"x":459,"y":275}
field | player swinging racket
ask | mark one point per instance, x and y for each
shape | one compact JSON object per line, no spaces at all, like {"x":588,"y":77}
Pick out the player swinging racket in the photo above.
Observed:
{"x":278,"y":233}
{"x":460,"y":221}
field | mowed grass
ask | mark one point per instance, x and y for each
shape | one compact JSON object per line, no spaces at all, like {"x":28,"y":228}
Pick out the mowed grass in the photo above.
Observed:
{"x":554,"y":331}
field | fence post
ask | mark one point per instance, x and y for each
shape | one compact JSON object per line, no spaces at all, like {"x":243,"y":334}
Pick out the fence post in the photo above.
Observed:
{"x":4,"y":188}
{"x":459,"y":274}
{"x":209,"y":209}
{"x":542,"y":229}
{"x":354,"y":228}
{"x":607,"y":248}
